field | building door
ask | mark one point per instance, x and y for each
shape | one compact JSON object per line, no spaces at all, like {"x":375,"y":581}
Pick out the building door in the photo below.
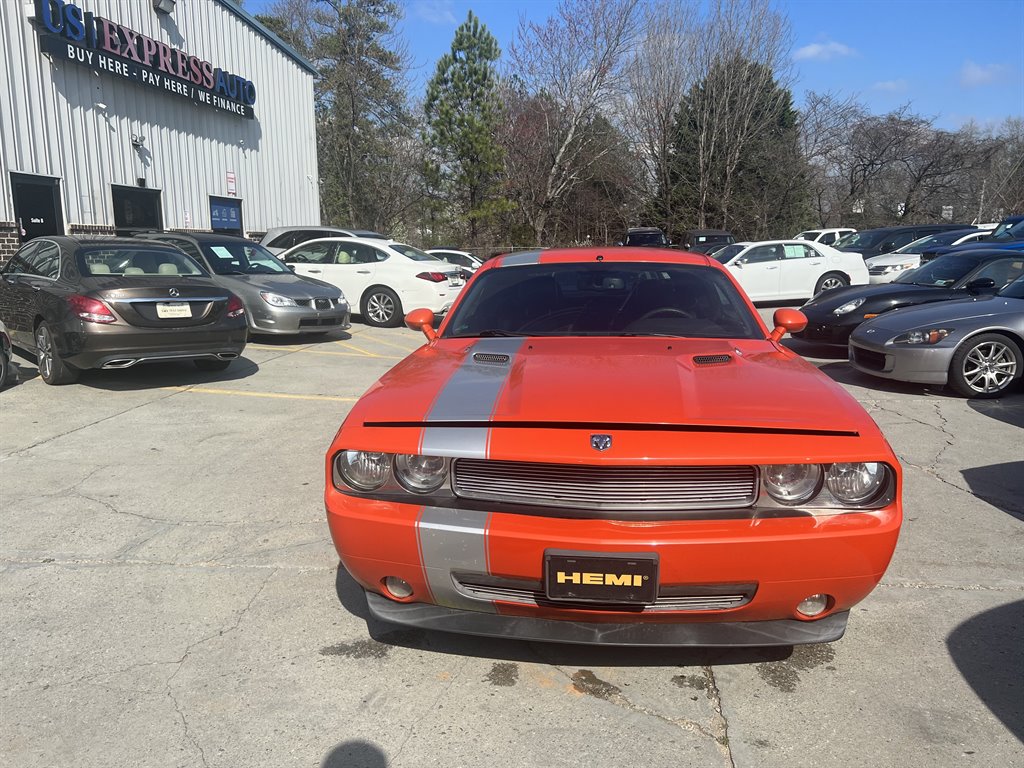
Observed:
{"x":37,"y":209}
{"x":136,"y":209}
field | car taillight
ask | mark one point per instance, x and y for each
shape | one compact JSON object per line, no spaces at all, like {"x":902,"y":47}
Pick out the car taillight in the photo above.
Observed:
{"x":235,"y":307}
{"x":91,"y":310}
{"x":434,"y":277}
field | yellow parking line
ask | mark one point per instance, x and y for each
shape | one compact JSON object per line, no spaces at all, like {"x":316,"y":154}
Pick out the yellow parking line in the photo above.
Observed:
{"x":358,"y":349}
{"x":392,"y":344}
{"x":244,"y":393}
{"x":327,"y":352}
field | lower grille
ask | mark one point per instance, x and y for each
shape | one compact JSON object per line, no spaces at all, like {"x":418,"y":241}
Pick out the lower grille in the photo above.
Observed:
{"x":868,"y":358}
{"x":714,"y":598}
{"x":606,"y":487}
{"x":314,"y":322}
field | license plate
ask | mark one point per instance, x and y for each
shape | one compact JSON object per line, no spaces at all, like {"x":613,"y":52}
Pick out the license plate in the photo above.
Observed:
{"x":586,"y":577}
{"x":454,"y":280}
{"x":171,"y":309}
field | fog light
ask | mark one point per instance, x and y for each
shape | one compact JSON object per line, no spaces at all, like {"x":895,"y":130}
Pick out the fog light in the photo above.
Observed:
{"x":813,"y":605}
{"x":401,"y":588}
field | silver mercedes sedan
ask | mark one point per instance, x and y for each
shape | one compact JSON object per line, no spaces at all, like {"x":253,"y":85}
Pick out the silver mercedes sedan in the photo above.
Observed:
{"x":973,"y":345}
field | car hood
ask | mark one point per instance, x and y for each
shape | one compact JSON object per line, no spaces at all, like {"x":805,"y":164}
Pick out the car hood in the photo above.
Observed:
{"x":874,"y":295}
{"x":601,"y":381}
{"x":292,"y":286}
{"x":887,"y":259}
{"x":969,"y":310}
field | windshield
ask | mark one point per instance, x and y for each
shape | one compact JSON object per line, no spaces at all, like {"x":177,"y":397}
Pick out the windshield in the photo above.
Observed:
{"x":940,"y":273}
{"x":243,"y":259}
{"x":604,"y":299}
{"x":808,"y":235}
{"x":942,"y":238}
{"x":138,"y":262}
{"x":728,"y":253}
{"x":1008,"y":231}
{"x":645,"y":238}
{"x":412,"y":253}
{"x":1014,"y":290}
{"x":860,"y":239}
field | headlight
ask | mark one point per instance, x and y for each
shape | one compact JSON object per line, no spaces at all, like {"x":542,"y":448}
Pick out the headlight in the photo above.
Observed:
{"x":277,"y":300}
{"x":363,"y":470}
{"x":420,"y":474}
{"x":847,"y":307}
{"x":792,"y":483}
{"x":925,"y":336}
{"x":856,"y":483}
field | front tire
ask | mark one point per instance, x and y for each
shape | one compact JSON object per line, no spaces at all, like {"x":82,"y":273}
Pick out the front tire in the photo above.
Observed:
{"x":829,"y":281}
{"x":52,"y":369}
{"x":381,"y":308}
{"x":985,"y":366}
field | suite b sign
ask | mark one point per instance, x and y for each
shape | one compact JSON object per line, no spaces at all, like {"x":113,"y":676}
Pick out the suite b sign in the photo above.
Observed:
{"x":68,"y":33}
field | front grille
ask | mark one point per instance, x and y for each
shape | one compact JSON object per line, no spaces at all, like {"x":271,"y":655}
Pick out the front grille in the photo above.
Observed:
{"x":322,"y":303}
{"x":877,"y":270}
{"x":868,"y":358}
{"x":606,"y":487}
{"x":720,"y":598}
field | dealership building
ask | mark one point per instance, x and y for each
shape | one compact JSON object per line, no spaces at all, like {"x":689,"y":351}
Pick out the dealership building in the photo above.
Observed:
{"x":151,"y":114}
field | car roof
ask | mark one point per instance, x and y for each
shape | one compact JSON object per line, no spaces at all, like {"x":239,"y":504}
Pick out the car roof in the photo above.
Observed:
{"x":79,"y":241}
{"x":199,"y":237}
{"x":985,"y":253}
{"x":616,"y":254}
{"x":706,"y":232}
{"x":643,"y":229}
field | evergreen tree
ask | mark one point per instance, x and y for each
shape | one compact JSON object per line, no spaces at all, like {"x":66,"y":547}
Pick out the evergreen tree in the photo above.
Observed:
{"x":462,"y":112}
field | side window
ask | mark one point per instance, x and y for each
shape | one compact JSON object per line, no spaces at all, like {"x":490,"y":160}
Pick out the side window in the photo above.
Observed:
{"x":184,"y":245}
{"x":828,"y":238}
{"x":792,"y":251}
{"x":306,"y":235}
{"x":762,"y":253}
{"x":903,"y":238}
{"x":366,"y":254}
{"x":314,"y":253}
{"x":17,"y":265}
{"x":286,"y":240}
{"x":44,"y":261}
{"x":1002,"y":272}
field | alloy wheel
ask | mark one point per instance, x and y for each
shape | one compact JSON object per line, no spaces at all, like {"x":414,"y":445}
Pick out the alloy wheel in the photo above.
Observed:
{"x":44,"y":352}
{"x":380,"y":308}
{"x":832,"y":282}
{"x":989,"y":367}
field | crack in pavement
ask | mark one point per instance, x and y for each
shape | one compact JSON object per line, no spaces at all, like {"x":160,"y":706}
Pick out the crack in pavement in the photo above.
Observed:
{"x":429,"y":709}
{"x":22,"y":563}
{"x":721,"y":722}
{"x":179,"y":665}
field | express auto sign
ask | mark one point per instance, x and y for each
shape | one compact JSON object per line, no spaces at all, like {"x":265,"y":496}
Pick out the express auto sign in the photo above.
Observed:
{"x":72,"y":34}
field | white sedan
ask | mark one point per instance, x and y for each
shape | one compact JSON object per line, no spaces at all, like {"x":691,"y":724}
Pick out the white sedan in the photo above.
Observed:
{"x":383,"y":278}
{"x":791,"y":269}
{"x":460,"y":258}
{"x":889,"y":266}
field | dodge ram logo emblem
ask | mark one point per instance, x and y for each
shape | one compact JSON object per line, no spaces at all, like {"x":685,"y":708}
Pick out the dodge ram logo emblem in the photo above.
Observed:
{"x":600,"y":442}
{"x":172,"y":291}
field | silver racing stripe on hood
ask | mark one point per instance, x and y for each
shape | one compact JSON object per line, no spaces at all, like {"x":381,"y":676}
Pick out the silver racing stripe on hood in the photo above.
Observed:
{"x":471,"y":394}
{"x":453,"y":540}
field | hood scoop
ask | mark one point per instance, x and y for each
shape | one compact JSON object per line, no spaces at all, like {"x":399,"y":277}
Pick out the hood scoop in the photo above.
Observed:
{"x":711,"y":359}
{"x":489,"y":358}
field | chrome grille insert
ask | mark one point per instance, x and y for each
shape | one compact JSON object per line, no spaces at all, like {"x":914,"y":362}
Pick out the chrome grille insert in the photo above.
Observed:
{"x":720,"y":598}
{"x":653,"y":488}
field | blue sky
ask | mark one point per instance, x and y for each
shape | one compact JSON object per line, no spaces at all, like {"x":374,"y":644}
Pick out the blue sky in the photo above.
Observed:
{"x":955,"y":60}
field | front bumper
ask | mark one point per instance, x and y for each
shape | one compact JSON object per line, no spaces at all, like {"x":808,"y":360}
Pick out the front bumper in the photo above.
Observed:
{"x":292,"y":320}
{"x":438,"y":551}
{"x":825,"y":332}
{"x":919,"y":365}
{"x":732,"y":634}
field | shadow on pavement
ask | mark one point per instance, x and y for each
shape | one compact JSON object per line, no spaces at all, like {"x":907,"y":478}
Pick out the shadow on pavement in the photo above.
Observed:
{"x":355,"y":754}
{"x":989,"y":652}
{"x":160,"y":375}
{"x":844,"y":373}
{"x":1007,"y":409}
{"x":354,"y":601}
{"x":1001,"y":485}
{"x":813,"y":350}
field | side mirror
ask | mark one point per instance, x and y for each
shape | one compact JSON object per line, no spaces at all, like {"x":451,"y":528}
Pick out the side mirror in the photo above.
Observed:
{"x":787,"y":321}
{"x":422,"y":320}
{"x":981,"y":285}
{"x":738,"y":263}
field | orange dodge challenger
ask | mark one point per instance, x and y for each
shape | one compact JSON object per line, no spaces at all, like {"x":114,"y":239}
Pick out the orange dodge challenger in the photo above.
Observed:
{"x":609,"y":446}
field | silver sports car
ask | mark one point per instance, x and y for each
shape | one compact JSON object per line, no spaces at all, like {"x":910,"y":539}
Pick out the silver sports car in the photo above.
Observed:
{"x":972,"y":345}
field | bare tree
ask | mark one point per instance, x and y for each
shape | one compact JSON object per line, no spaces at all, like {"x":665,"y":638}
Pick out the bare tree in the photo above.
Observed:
{"x":661,"y":71}
{"x":567,"y":69}
{"x":826,"y":123}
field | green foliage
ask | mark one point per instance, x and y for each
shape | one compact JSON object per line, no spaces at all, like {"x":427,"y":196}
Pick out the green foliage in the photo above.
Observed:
{"x":462,"y":112}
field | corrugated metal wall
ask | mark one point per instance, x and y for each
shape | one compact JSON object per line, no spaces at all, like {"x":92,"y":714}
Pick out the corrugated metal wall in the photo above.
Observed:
{"x":51,"y":122}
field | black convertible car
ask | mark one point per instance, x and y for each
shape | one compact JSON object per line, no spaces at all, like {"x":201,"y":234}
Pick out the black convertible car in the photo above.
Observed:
{"x":832,"y":315}
{"x":81,"y":303}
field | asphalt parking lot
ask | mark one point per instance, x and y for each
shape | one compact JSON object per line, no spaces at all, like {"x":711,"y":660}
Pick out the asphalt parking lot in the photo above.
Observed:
{"x":169,"y":596}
